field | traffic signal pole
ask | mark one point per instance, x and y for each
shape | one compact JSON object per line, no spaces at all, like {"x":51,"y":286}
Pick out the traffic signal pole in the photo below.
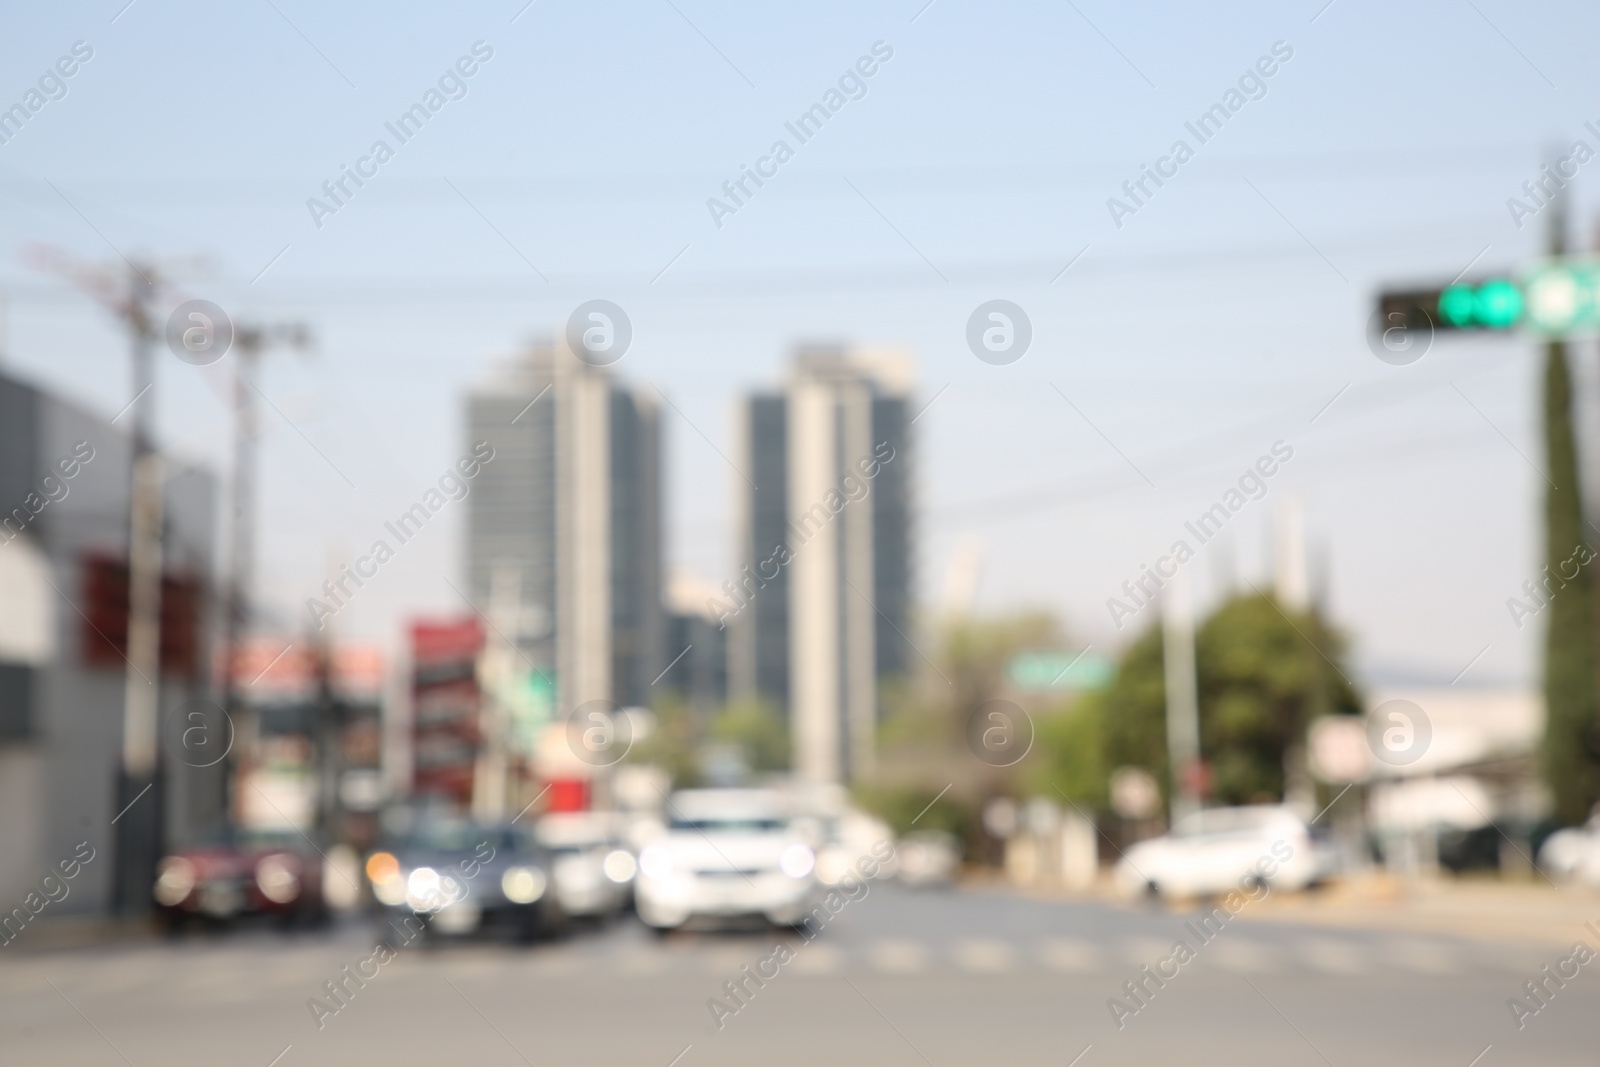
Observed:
{"x":1570,"y":678}
{"x":1553,"y":300}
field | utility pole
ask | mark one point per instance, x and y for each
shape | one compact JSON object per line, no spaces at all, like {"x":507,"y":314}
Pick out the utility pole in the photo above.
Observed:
{"x":249,"y":344}
{"x":327,"y":736}
{"x":139,"y":818}
{"x":1183,"y":702}
{"x":139,"y":829}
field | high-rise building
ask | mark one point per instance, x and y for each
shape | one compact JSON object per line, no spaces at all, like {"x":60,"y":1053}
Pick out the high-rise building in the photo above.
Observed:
{"x":820,"y":610}
{"x":564,"y":525}
{"x":697,"y":648}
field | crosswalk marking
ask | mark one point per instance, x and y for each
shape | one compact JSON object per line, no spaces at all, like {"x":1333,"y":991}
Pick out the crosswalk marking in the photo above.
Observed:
{"x":226,"y":971}
{"x":898,"y":957}
{"x":1335,"y":957}
{"x":1060,"y":954}
{"x":983,"y":954}
{"x":1244,"y":957}
{"x":818,"y":958}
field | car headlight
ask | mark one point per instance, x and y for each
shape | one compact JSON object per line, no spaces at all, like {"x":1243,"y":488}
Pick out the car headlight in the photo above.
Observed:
{"x":382,"y":866}
{"x":390,"y":890}
{"x":797,"y":861}
{"x":427,"y":891}
{"x":523,"y":885}
{"x":278,"y":879}
{"x":388,"y":881}
{"x":175,"y":879}
{"x":655,"y":862}
{"x":620,"y":866}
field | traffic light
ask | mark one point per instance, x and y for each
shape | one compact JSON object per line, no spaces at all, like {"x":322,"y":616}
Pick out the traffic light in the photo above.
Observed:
{"x":1491,"y":304}
{"x":1556,"y":298}
{"x":1563,"y":296}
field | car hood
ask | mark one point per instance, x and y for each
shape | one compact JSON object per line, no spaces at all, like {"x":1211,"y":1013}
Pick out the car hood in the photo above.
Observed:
{"x":714,"y":853}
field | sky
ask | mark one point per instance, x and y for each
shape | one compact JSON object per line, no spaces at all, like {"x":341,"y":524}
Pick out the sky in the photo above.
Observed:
{"x":1172,"y":345}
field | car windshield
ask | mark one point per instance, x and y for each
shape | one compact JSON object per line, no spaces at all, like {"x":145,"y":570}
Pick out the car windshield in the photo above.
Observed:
{"x":1225,"y":821}
{"x":730,"y":824}
{"x":459,"y":835}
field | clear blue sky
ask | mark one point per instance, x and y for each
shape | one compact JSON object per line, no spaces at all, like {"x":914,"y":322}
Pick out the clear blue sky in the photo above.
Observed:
{"x":1220,"y":318}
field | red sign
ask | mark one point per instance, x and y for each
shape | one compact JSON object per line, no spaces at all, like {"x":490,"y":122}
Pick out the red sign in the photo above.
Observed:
{"x":105,"y":617}
{"x":568,"y":794}
{"x":445,"y":706}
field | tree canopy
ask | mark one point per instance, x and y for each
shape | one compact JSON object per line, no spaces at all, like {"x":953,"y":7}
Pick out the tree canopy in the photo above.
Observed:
{"x":1263,"y":675}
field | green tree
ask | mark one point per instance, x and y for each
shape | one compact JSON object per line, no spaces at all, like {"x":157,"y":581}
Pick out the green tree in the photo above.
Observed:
{"x":674,"y":745}
{"x":1262,"y":676}
{"x":923,"y":748}
{"x":1569,"y":643}
{"x":1071,"y":752}
{"x":757,"y":728}
{"x":970,"y":669}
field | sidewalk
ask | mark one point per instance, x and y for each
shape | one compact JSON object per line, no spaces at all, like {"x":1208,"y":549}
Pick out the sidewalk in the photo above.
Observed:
{"x":1482,"y":910}
{"x":1530,"y":912}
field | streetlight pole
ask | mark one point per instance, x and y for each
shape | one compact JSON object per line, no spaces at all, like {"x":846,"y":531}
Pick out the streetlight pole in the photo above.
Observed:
{"x":249,"y":344}
{"x":1183,"y":704}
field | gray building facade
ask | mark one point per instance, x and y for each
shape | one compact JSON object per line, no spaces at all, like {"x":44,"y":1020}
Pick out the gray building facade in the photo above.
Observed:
{"x":64,"y":494}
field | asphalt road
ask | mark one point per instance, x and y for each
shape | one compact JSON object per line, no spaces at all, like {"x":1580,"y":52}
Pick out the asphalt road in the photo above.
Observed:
{"x":898,"y":978}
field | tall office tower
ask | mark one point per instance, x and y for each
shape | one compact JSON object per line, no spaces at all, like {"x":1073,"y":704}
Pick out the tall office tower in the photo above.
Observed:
{"x":564,"y":525}
{"x":820,"y":610}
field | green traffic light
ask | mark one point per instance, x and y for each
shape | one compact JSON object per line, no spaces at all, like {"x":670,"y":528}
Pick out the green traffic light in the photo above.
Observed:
{"x":1497,"y":304}
{"x":1456,"y":305}
{"x":1493,"y":305}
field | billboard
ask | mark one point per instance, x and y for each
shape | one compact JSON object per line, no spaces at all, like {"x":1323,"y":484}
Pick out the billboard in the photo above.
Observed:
{"x":445,"y":701}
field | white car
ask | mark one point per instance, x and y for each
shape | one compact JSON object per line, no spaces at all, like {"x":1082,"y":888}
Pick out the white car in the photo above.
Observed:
{"x":929,"y":858}
{"x":1573,"y":854}
{"x":845,"y":839}
{"x":1221,"y":849}
{"x":589,"y":869}
{"x":725,"y":853}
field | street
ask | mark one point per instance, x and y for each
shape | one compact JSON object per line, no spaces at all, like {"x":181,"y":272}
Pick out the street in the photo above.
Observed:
{"x":899,"y":977}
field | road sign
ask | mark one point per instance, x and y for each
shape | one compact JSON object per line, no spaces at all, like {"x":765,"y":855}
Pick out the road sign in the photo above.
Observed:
{"x":1042,"y":670}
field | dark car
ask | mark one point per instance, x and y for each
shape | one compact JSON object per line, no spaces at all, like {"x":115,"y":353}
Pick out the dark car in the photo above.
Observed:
{"x":448,"y":876}
{"x":240,"y":874}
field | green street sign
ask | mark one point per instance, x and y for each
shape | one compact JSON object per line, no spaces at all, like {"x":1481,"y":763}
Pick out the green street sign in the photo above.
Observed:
{"x":1043,"y":670}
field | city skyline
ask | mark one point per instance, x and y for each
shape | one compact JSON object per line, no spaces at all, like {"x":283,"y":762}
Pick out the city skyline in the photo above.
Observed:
{"x":1136,"y":325}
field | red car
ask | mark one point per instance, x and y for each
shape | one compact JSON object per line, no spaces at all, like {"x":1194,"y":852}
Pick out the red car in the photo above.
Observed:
{"x":241,"y":874}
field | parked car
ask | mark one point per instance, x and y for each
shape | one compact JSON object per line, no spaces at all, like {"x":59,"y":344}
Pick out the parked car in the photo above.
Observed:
{"x":1221,"y":849}
{"x":845,"y":839}
{"x":241,"y":873}
{"x":928,"y":858}
{"x":592,"y":872}
{"x":725,"y":854}
{"x":1573,"y":854}
{"x":448,"y":876}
